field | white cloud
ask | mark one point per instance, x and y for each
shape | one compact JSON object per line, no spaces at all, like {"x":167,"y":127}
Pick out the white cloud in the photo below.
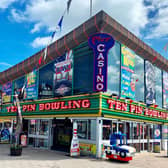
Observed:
{"x":36,"y":28}
{"x":5,"y":64}
{"x":5,"y":3}
{"x":46,"y":13}
{"x":160,"y":20}
{"x":40,"y":41}
{"x":19,"y":17}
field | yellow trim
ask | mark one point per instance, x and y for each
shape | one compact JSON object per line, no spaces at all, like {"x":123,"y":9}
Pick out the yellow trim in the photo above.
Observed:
{"x":126,"y":112}
{"x":40,"y":100}
{"x":100,"y":104}
{"x":131,"y":119}
{"x":52,"y":116}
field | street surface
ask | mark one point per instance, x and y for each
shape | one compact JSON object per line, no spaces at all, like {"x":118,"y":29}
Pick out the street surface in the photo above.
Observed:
{"x":38,"y":158}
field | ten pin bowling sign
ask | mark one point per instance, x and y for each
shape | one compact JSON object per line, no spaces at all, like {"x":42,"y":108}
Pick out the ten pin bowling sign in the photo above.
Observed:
{"x":100,"y":43}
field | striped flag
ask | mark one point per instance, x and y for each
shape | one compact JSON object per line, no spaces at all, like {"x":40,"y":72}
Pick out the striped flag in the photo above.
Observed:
{"x":57,"y":29}
{"x":68,"y":5}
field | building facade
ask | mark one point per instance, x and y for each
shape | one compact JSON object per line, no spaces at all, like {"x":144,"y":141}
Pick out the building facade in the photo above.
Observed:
{"x":99,"y":75}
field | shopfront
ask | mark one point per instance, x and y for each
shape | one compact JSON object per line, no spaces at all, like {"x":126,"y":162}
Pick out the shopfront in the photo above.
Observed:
{"x":140,"y":135}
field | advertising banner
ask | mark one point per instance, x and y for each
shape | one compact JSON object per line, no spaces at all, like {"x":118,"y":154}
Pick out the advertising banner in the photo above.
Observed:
{"x":31,"y":85}
{"x":18,"y":85}
{"x":6,"y":92}
{"x":127,"y":71}
{"x":165,"y":89}
{"x":150,"y":93}
{"x":100,"y":43}
{"x":63,"y":75}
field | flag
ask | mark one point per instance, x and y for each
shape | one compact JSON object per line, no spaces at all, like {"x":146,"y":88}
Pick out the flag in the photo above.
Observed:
{"x":58,"y":28}
{"x":68,"y":5}
{"x":165,"y":47}
{"x":60,"y":22}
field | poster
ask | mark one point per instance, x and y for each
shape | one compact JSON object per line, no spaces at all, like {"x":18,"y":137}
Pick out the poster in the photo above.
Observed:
{"x":45,"y":89}
{"x":63,"y":75}
{"x":127,"y":71}
{"x":150,"y":93}
{"x":31,"y":85}
{"x":18,"y":85}
{"x":165,"y":89}
{"x":6,"y":92}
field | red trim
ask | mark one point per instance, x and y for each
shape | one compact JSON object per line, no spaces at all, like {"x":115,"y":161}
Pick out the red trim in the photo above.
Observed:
{"x":84,"y":31}
{"x":23,"y":68}
{"x":57,"y":49}
{"x":29,"y":63}
{"x":48,"y":51}
{"x":65,"y":44}
{"x":117,"y":157}
{"x":96,"y":24}
{"x":105,"y":23}
{"x":74,"y":37}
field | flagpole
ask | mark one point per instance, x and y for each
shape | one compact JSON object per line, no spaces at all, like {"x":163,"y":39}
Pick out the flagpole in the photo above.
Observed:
{"x":90,"y":8}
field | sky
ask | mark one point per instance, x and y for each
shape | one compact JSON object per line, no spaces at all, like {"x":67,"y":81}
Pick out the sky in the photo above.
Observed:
{"x":26,"y":25}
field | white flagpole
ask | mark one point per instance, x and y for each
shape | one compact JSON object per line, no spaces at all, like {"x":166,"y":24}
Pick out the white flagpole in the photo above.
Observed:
{"x":90,"y":8}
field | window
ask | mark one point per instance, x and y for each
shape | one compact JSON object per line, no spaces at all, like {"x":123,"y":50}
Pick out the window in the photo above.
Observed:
{"x":139,"y":74}
{"x":87,"y":129}
{"x":46,"y":81}
{"x":113,"y":81}
{"x":44,"y":127}
{"x":158,"y":82}
{"x":83,"y":69}
{"x":18,"y":85}
{"x":106,"y":129}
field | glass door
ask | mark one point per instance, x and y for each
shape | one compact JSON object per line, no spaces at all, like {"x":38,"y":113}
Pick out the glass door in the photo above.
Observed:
{"x":39,"y":133}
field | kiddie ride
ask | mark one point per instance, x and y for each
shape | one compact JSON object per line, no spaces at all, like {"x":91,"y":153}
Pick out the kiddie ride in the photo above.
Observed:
{"x":120,"y":151}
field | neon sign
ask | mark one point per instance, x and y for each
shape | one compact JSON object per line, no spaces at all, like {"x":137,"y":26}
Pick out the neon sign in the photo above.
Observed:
{"x":100,"y":43}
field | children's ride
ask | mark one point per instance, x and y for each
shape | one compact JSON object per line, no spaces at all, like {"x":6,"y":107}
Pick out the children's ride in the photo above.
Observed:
{"x":119,"y":151}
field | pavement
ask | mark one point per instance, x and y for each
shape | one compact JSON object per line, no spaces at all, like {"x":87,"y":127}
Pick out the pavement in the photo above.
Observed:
{"x":40,"y":158}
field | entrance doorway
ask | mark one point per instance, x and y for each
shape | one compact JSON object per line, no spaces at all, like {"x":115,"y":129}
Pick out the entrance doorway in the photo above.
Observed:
{"x":62,"y":134}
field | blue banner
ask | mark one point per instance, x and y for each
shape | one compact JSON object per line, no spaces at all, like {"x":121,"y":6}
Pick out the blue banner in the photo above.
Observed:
{"x":100,"y":43}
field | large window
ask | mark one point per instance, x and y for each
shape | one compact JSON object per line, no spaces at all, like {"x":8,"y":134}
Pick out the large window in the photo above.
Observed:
{"x":139,"y":75}
{"x":158,"y":82}
{"x":18,"y":85}
{"x":83,"y":69}
{"x":113,"y":82}
{"x":87,"y":129}
{"x":46,"y":81}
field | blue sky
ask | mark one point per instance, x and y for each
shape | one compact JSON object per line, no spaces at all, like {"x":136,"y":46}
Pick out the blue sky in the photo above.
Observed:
{"x":26,"y":25}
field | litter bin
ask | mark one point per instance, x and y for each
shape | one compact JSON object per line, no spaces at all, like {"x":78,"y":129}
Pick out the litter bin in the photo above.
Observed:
{"x":156,"y":147}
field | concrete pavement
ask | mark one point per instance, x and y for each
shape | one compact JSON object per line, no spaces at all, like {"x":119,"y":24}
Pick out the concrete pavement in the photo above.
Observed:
{"x":38,"y":158}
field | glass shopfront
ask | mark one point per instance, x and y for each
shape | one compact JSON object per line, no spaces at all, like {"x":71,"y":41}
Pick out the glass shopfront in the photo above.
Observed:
{"x":39,"y":133}
{"x":140,"y":135}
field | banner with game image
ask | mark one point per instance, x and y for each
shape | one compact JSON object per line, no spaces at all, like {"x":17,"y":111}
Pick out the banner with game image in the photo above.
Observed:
{"x":127,"y":71}
{"x":63,"y":75}
{"x":31,"y":91}
{"x":165,"y":89}
{"x":150,"y":89}
{"x":7,"y":92}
